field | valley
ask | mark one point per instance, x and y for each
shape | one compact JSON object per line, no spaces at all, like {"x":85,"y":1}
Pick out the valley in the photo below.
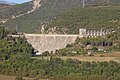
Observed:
{"x":60,"y":40}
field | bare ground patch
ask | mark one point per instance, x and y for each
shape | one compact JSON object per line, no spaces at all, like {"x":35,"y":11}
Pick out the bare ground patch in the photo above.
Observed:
{"x":5,"y":77}
{"x":81,"y":58}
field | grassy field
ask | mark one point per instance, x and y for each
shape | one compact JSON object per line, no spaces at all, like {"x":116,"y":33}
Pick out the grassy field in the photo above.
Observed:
{"x":97,"y":57}
{"x":4,"y":77}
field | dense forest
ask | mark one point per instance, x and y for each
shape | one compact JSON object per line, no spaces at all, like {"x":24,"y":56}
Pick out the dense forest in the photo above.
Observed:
{"x":10,"y":46}
{"x":57,"y":68}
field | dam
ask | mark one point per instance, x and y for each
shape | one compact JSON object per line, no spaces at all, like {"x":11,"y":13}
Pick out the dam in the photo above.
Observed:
{"x":52,"y":42}
{"x":46,"y":42}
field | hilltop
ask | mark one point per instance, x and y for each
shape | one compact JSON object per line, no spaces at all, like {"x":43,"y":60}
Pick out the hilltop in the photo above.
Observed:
{"x":5,"y":2}
{"x":3,"y":6}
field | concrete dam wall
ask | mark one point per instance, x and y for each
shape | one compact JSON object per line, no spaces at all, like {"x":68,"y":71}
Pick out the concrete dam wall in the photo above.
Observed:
{"x":46,"y":42}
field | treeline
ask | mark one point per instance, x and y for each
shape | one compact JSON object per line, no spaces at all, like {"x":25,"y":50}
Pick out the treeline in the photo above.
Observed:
{"x":3,"y":33}
{"x":58,"y":69}
{"x":10,"y":46}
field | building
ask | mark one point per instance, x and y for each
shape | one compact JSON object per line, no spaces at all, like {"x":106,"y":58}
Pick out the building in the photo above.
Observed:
{"x":92,"y":33}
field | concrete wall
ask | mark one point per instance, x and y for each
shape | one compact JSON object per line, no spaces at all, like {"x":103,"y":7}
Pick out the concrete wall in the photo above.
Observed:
{"x":46,"y":42}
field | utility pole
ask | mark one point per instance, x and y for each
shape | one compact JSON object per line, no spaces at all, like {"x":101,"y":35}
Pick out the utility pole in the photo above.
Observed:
{"x":83,"y":3}
{"x":16,"y":29}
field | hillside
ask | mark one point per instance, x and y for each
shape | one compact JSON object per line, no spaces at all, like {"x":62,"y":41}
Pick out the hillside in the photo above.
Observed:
{"x":48,"y":10}
{"x":3,"y":6}
{"x":31,"y":23}
{"x":90,"y":18}
{"x":5,"y":2}
{"x":6,"y":13}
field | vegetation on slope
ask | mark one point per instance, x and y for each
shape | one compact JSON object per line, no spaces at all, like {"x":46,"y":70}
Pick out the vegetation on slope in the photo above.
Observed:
{"x":32,"y":22}
{"x":3,"y":6}
{"x":10,"y":47}
{"x":15,"y":10}
{"x":89,"y":18}
{"x":49,"y":9}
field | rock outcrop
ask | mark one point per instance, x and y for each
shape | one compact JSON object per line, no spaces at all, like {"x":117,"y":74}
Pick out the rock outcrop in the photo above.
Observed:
{"x":36,"y":5}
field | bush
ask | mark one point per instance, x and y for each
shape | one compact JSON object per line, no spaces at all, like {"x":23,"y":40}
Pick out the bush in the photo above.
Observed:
{"x":46,"y":53}
{"x":19,"y":78}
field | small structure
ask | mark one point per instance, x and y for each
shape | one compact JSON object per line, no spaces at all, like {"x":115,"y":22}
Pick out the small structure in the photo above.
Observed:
{"x":92,"y":33}
{"x":82,"y":33}
{"x":90,"y":53}
{"x":38,"y":53}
